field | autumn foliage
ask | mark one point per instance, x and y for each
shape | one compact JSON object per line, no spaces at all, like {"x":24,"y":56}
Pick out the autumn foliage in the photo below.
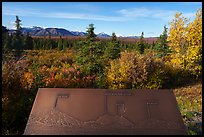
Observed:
{"x":185,"y":40}
{"x":134,"y":70}
{"x":174,"y":60}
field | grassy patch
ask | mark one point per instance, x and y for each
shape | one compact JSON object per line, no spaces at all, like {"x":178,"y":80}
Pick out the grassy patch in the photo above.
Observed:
{"x":189,"y":100}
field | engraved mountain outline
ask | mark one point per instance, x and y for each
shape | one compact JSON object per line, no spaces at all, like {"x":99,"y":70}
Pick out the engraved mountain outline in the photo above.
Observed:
{"x":55,"y":117}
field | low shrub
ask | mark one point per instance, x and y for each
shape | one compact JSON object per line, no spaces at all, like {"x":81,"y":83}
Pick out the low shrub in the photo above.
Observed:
{"x":49,"y":57}
{"x":70,"y":77}
{"x":16,"y":99}
{"x":133,"y":70}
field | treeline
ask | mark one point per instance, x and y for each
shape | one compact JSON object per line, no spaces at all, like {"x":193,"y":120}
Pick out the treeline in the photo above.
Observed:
{"x":17,"y":41}
{"x":49,"y":43}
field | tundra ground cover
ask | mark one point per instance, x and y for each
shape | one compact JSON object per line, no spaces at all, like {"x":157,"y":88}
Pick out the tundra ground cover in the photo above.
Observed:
{"x":52,"y":68}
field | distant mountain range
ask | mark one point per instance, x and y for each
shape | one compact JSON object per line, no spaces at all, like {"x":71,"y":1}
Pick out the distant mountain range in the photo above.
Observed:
{"x":39,"y":31}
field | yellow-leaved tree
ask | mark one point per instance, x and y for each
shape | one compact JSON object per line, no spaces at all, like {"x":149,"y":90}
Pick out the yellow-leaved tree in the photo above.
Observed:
{"x":194,"y":41}
{"x":185,"y":41}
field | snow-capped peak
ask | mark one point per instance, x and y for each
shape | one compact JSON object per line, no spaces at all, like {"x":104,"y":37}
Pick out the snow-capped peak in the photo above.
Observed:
{"x":102,"y":33}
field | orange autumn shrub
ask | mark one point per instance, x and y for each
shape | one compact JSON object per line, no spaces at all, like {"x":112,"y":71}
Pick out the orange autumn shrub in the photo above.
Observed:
{"x":70,"y":77}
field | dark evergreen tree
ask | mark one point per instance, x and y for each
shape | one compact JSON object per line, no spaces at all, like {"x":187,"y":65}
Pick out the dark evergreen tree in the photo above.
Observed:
{"x":47,"y":43}
{"x":141,"y":44}
{"x":112,"y":49}
{"x":65,"y":44}
{"x":17,"y":39}
{"x":113,"y":38}
{"x":40,"y":43}
{"x":35,"y":44}
{"x":4,"y":29}
{"x":153,"y":45}
{"x":90,"y":52}
{"x":28,"y":42}
{"x":60,"y":43}
{"x":4,"y":37}
{"x":18,"y":25}
{"x":13,"y":41}
{"x":91,"y":35}
{"x":161,"y":47}
{"x":7,"y":44}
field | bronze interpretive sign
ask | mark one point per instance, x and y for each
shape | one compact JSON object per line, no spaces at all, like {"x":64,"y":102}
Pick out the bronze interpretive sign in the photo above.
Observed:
{"x":61,"y":111}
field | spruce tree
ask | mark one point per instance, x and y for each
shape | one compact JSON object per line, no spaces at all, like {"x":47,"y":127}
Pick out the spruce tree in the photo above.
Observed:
{"x":65,"y":45}
{"x":91,"y":35}
{"x":18,"y":42}
{"x":7,"y":43}
{"x":141,"y":44}
{"x":18,"y":26}
{"x":112,"y":49}
{"x":89,"y":53}
{"x":60,"y":43}
{"x":162,"y":47}
{"x":13,"y":41}
{"x":113,"y":38}
{"x":35,"y":45}
{"x":4,"y":30}
{"x":4,"y":36}
{"x":47,"y":43}
{"x":28,"y":42}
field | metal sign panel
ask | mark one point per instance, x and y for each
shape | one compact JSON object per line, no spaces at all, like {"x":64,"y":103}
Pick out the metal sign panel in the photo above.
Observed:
{"x":61,"y":111}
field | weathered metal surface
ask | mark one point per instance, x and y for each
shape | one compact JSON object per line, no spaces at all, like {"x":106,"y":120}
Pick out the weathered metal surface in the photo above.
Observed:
{"x":60,"y":111}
